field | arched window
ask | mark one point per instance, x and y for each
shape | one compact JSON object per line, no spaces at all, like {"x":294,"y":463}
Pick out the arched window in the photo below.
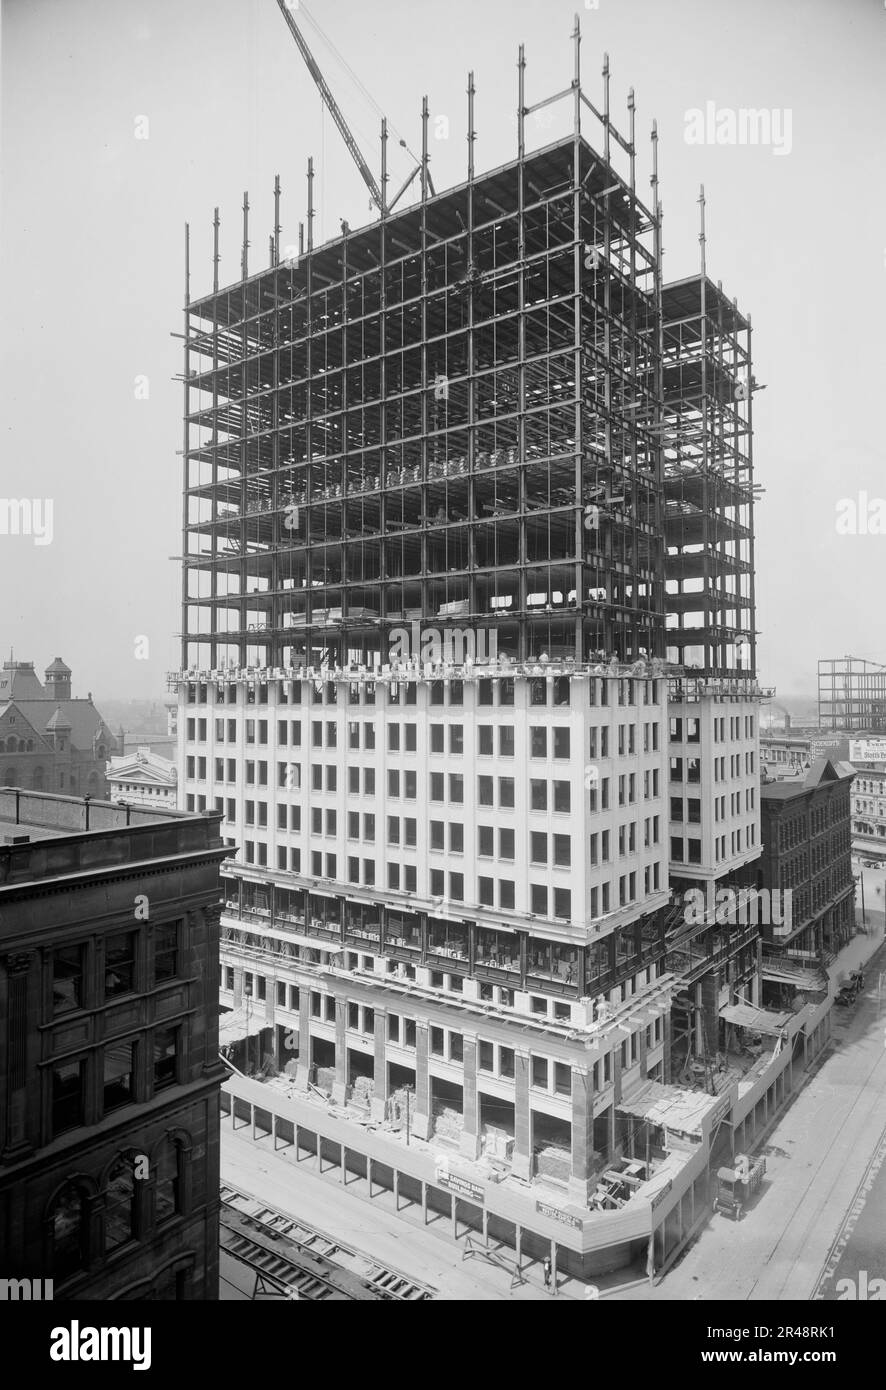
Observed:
{"x":30,"y":745}
{"x":67,"y":1216}
{"x":120,"y":1225}
{"x":38,"y":779}
{"x":12,"y":745}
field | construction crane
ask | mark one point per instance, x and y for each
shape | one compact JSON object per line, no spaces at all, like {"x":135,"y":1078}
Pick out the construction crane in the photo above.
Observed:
{"x":354,"y":149}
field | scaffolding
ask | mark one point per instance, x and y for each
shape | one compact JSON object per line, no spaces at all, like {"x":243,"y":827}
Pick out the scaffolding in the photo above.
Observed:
{"x":451,"y":416}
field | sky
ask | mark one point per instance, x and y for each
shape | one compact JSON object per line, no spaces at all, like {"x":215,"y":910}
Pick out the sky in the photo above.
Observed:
{"x":121,"y":120}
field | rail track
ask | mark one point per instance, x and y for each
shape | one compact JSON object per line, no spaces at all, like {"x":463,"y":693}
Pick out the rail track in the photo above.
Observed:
{"x":290,"y":1259}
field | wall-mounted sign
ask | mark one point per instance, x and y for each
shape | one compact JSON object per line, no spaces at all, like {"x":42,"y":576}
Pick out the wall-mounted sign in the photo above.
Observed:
{"x":555,"y":1214}
{"x":867,"y":750}
{"x":461,"y":1186}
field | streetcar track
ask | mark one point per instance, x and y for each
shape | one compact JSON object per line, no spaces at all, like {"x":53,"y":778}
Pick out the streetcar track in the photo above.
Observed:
{"x":821,"y":1206}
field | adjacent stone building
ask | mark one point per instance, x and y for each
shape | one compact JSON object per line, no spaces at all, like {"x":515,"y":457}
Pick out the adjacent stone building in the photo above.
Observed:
{"x":50,"y":741}
{"x":109,"y":1067}
{"x":807,"y":851}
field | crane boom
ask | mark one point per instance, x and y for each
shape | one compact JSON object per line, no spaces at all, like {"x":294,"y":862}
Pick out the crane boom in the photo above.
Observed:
{"x":345,"y":130}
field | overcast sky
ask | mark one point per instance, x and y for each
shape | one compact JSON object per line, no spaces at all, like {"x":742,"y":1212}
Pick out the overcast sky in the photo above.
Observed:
{"x":92,"y":260}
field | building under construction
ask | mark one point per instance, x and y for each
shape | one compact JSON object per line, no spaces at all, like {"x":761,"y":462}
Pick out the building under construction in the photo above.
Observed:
{"x":852,"y":695}
{"x":468,"y":665}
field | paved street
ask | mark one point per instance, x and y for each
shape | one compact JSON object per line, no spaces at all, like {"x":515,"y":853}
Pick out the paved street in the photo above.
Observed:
{"x":817,"y":1221}
{"x":821,"y":1213}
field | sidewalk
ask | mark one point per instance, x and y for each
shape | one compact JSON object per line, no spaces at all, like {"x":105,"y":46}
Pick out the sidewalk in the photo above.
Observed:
{"x":817,"y":1156}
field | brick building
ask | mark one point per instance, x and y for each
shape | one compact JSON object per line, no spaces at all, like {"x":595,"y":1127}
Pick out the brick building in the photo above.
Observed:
{"x":109,"y":1068}
{"x":50,"y":741}
{"x":806,"y":832}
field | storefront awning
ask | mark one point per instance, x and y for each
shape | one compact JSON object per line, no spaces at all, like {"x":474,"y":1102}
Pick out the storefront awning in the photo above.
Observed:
{"x":809,"y":978}
{"x":668,"y":1107}
{"x":765,"y":1021}
{"x":234,"y":1026}
{"x":316,"y":943}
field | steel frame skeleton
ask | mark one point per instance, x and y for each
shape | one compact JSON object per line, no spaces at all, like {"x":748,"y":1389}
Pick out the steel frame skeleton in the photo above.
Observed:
{"x":453,"y":415}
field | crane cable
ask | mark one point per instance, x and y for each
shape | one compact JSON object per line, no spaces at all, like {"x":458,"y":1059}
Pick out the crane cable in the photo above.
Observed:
{"x":354,"y":78}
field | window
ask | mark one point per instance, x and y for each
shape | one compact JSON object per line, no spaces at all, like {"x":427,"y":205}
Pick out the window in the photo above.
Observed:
{"x":165,"y":1057}
{"x":506,"y":740}
{"x":168,"y":1184}
{"x":562,"y":800}
{"x":485,"y":740}
{"x":561,"y":743}
{"x":437,"y":743}
{"x":563,"y":903}
{"x":67,"y":979}
{"x":505,"y":844}
{"x":68,"y":1220}
{"x":67,"y":1096}
{"x":538,"y":795}
{"x":437,"y":786}
{"x":538,"y":853}
{"x":166,"y":952}
{"x":120,"y":1203}
{"x":540,"y":1072}
{"x":562,"y":851}
{"x":456,"y":739}
{"x":506,"y":791}
{"x":436,"y":829}
{"x":456,"y":787}
{"x":538,"y":742}
{"x":119,"y":1070}
{"x":456,"y":837}
{"x":538,"y":899}
{"x":484,"y":791}
{"x":120,"y":964}
{"x":485,"y":840}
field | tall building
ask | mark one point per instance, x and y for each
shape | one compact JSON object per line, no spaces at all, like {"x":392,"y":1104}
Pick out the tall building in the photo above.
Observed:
{"x":109,"y":1067}
{"x":714,"y":727}
{"x":467,"y":659}
{"x":807,"y":853}
{"x":868,"y":757}
{"x":50,"y":741}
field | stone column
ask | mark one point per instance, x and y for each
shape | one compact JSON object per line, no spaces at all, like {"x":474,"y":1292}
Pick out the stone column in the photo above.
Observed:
{"x":303,"y":1066}
{"x":379,"y":1100}
{"x":469,"y":1144}
{"x":522,"y":1161}
{"x":421,"y":1120}
{"x":581,"y":1179}
{"x":21,"y":1003}
{"x":340,"y":1084}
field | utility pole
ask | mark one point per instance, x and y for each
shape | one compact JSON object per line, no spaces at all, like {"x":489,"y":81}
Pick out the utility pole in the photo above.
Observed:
{"x":248,"y":992}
